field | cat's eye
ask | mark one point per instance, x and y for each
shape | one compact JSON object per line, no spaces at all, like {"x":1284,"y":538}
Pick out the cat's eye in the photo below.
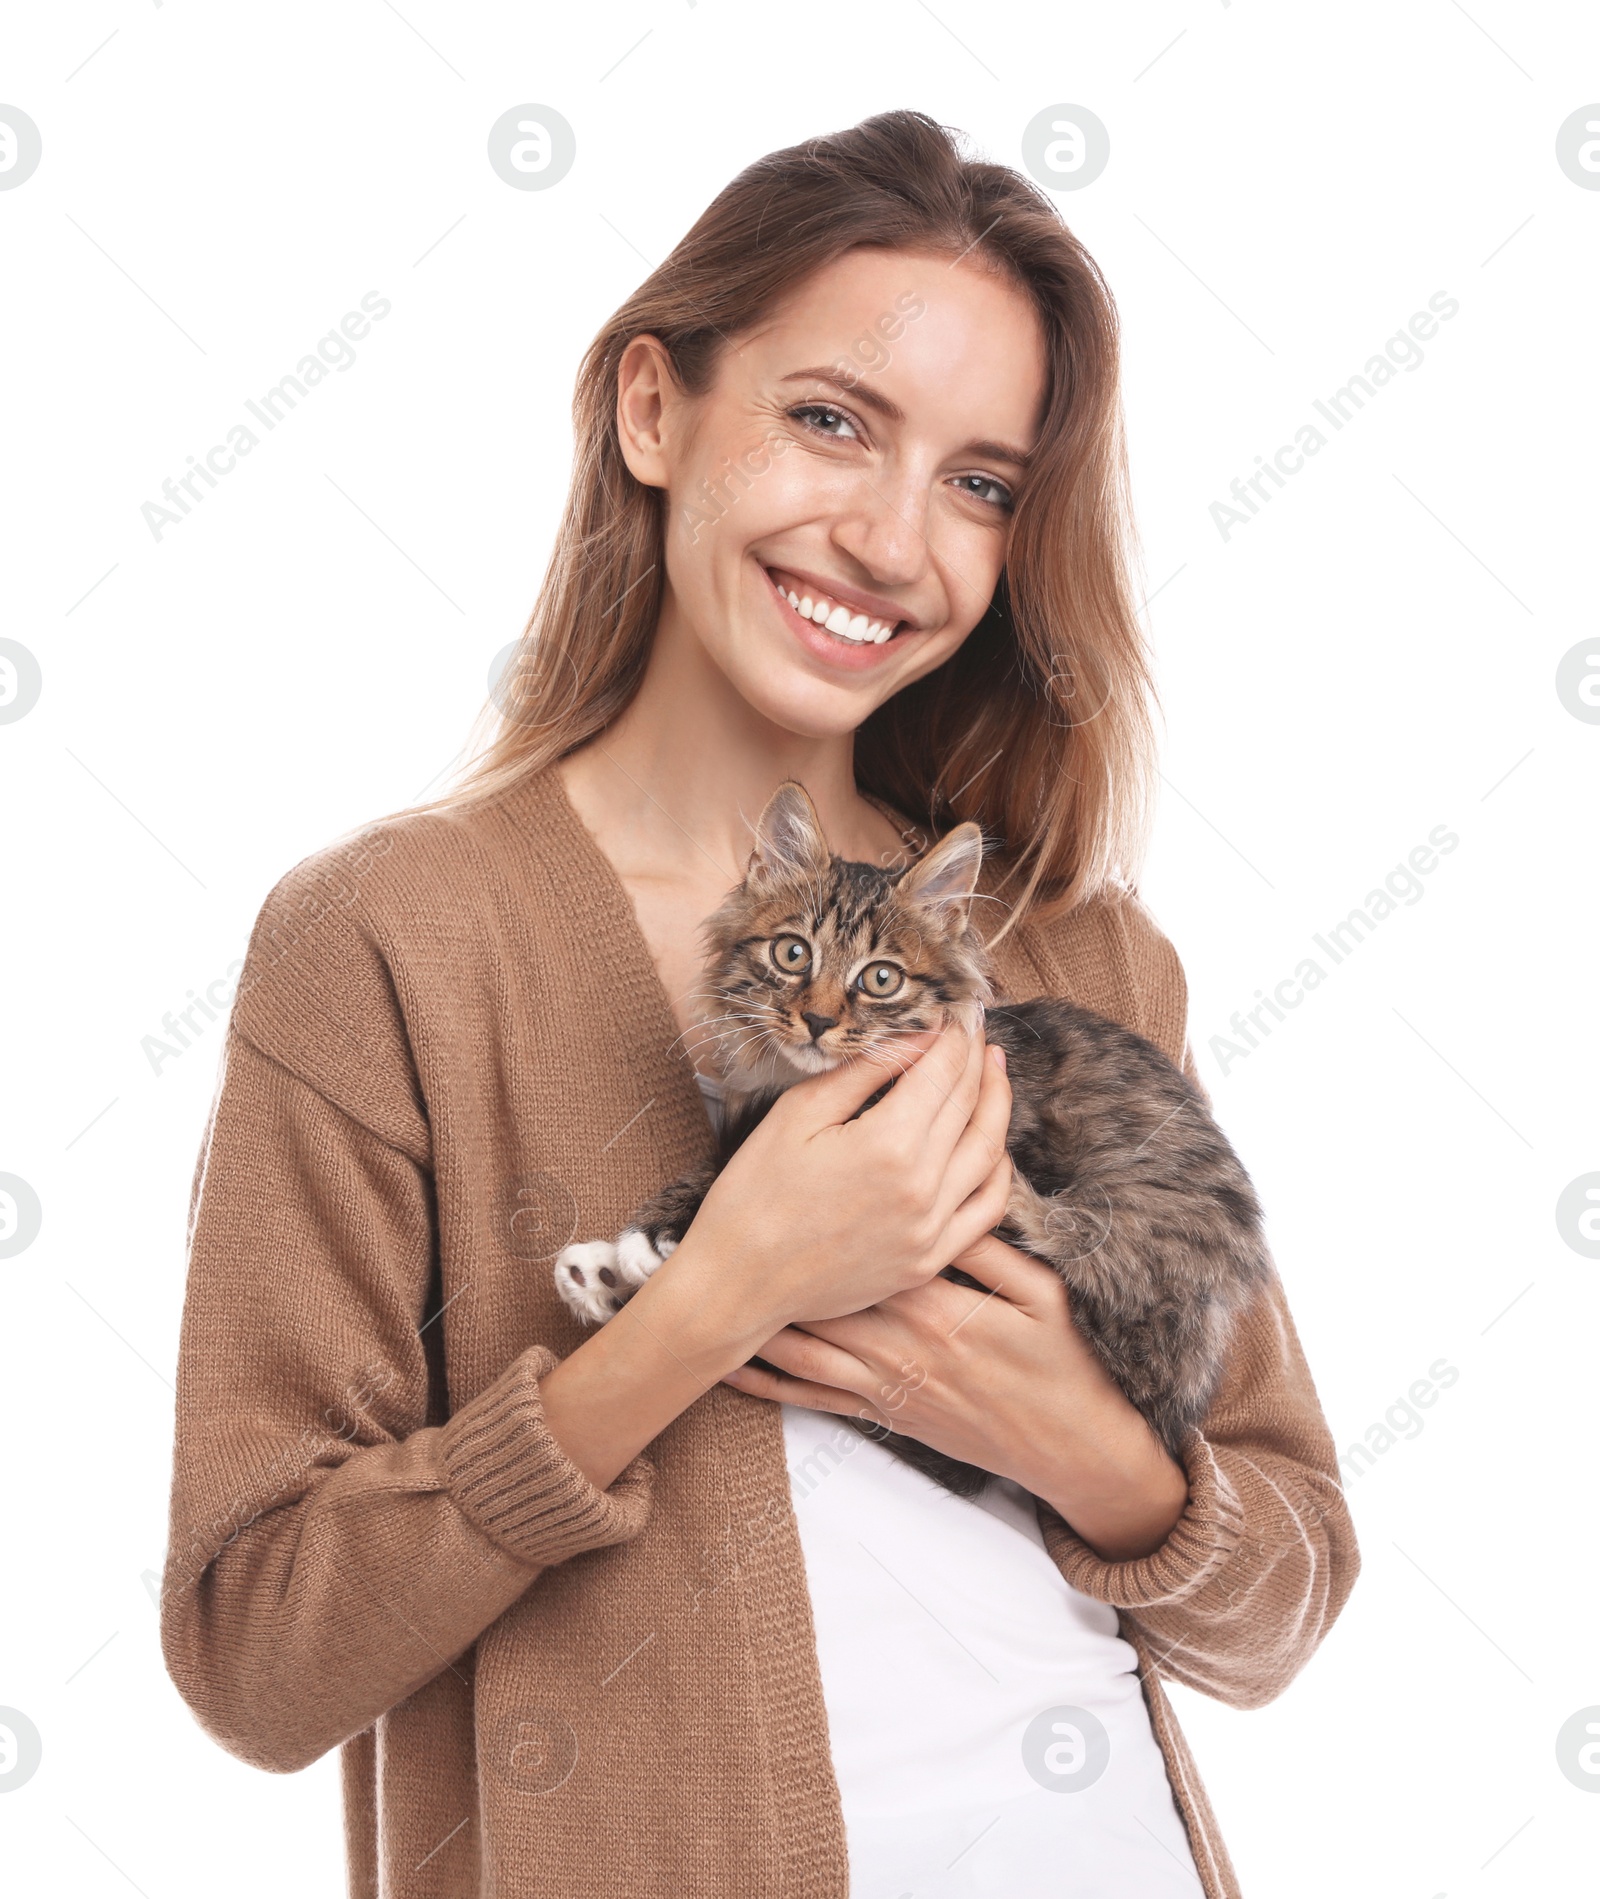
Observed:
{"x":880,"y":980}
{"x":791,"y":954}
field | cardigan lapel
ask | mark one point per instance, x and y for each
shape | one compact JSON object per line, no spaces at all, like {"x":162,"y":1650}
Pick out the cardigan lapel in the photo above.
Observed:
{"x":747,"y":1563}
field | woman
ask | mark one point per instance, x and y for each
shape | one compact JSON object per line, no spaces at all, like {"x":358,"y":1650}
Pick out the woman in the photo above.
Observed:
{"x":615,"y":1612}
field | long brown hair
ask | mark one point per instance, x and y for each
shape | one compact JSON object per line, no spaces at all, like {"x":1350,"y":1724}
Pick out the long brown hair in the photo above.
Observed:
{"x":1039,"y":727}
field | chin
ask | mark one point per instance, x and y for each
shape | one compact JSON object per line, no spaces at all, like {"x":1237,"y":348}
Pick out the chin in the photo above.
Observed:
{"x":783,"y":1067}
{"x":798,"y":702}
{"x":807,"y":1059}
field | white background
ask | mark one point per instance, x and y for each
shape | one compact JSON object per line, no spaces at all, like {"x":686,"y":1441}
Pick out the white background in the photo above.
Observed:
{"x":1372,"y":656}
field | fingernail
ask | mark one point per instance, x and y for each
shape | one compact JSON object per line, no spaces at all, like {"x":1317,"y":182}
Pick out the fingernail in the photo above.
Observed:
{"x":999,"y":1056}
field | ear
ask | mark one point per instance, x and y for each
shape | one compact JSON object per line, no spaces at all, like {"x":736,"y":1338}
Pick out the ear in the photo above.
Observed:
{"x":945,"y":877}
{"x":647,"y":397}
{"x":789,"y":841}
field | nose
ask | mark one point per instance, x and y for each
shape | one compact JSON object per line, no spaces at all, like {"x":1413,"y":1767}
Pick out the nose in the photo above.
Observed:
{"x":818,"y":1024}
{"x":884,"y":527}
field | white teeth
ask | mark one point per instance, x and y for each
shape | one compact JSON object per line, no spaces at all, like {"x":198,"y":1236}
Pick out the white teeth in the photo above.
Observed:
{"x":855,"y":627}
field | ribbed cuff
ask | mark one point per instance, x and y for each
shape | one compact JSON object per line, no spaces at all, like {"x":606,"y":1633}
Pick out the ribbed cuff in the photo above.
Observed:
{"x":1201,"y":1541}
{"x":514,"y":1481}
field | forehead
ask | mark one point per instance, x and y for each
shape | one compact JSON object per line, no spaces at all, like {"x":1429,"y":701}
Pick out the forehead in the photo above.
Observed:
{"x":957,"y":347}
{"x":851,"y":904}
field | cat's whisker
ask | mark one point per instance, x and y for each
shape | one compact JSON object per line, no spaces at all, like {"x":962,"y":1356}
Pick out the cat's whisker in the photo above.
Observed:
{"x":759,"y":1021}
{"x":877,"y":1046}
{"x":753,"y":1040}
{"x":768,"y":1042}
{"x":732,"y":1026}
{"x":749,"y":1009}
{"x":731,"y":1045}
{"x":705,"y":1022}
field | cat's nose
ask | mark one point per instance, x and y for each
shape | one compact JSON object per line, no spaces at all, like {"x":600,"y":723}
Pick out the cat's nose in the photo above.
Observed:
{"x":818,"y":1024}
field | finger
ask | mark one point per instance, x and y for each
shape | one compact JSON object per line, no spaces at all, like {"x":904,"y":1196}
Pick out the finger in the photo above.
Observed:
{"x":1017,"y":1276}
{"x":980,"y":1212}
{"x":912,"y":1107}
{"x":831,"y":1098}
{"x":784,"y":1388}
{"x":854,"y":1332}
{"x":956,"y":1110}
{"x":803,"y":1355}
{"x":982,"y":1141}
{"x":760,"y":1383}
{"x":878,"y":1375}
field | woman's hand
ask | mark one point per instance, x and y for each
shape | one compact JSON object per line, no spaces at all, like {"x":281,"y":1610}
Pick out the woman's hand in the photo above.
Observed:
{"x":819,"y":1215}
{"x":816,"y":1213}
{"x":1002,"y":1379}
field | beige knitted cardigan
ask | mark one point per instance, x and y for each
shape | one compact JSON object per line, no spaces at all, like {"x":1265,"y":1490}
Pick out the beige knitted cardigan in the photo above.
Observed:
{"x":450,"y":1052}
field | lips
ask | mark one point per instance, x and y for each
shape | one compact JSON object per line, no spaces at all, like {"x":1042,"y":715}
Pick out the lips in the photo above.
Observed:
{"x":846,"y":614}
{"x":830,"y":651}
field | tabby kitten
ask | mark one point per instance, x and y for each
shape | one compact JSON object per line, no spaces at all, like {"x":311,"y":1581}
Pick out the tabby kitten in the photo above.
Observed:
{"x":1123,"y":1182}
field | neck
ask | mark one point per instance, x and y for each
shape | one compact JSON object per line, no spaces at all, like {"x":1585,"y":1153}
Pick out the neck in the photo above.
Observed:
{"x":684,"y":771}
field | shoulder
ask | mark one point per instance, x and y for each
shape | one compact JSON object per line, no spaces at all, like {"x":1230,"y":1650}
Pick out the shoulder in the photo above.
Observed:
{"x":360,"y":943}
{"x":357,"y":895}
{"x":1111,"y":954}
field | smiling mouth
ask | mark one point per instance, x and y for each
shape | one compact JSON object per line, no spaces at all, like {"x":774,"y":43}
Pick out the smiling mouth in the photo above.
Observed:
{"x":844,"y":623}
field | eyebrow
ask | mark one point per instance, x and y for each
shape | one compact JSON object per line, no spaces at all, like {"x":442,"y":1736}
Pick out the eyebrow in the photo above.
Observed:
{"x":891,"y":411}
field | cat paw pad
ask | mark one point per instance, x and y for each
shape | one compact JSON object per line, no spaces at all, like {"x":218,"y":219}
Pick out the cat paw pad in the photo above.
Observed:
{"x":588,"y":1281}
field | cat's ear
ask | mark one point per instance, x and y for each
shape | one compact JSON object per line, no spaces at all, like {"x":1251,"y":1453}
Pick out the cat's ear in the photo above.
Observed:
{"x":789,"y":843}
{"x":944,"y":878}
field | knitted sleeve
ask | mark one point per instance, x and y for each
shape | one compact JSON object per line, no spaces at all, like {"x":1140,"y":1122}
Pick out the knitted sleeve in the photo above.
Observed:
{"x":1242,"y":1591}
{"x":337,"y":1539}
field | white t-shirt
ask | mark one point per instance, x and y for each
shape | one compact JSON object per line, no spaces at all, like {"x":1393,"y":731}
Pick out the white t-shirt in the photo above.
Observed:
{"x":989,"y":1735}
{"x":988,"y":1731}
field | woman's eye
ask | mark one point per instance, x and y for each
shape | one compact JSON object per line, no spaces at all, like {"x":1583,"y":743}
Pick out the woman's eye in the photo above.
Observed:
{"x":810,"y":412}
{"x":791,"y":954}
{"x":985,"y":488}
{"x":880,"y":979}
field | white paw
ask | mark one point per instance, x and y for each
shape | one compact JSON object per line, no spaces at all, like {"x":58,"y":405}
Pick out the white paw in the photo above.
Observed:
{"x":637,"y":1259}
{"x":587,"y":1279}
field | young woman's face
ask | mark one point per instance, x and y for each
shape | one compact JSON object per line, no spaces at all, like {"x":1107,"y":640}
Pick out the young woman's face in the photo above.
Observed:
{"x":860,"y":452}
